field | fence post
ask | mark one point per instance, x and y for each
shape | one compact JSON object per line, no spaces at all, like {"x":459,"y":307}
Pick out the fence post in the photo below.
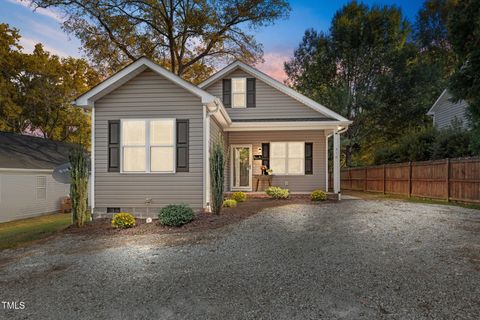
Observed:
{"x":350,"y":177}
{"x":365,"y":180}
{"x":409,"y":179}
{"x":448,"y":178}
{"x":384,"y":179}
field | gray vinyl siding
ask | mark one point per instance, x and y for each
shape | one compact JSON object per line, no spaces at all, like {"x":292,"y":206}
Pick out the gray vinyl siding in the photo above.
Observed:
{"x":270,"y":102}
{"x":216,"y":132}
{"x":446,"y":112}
{"x":300,"y":183}
{"x":18,"y":195}
{"x":148,"y":95}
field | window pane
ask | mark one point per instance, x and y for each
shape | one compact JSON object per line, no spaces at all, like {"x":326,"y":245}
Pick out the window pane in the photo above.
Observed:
{"x":161,"y":159}
{"x":133,"y":159}
{"x":161,"y":132}
{"x":277,"y":165}
{"x":296,"y":149}
{"x":133,"y":132}
{"x":238,"y":100}
{"x":239,"y":85}
{"x":295,"y":166}
{"x":278,"y":149}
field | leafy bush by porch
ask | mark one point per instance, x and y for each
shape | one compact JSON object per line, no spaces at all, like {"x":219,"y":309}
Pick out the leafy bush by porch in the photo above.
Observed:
{"x":239,"y":196}
{"x":277,"y":193}
{"x":318,"y":195}
{"x":123,"y":220}
{"x":229,"y":203}
{"x":175,"y":215}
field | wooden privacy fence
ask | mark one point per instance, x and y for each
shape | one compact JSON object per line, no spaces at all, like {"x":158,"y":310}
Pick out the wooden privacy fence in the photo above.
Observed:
{"x":448,"y":179}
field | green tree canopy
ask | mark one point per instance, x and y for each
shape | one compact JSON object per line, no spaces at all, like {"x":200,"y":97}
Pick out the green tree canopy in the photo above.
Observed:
{"x":464,"y":35}
{"x":186,"y":36}
{"x":37,"y":91}
{"x":344,"y":68}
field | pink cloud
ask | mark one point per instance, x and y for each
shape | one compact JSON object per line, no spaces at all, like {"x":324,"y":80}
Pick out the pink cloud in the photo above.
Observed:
{"x":273,"y":65}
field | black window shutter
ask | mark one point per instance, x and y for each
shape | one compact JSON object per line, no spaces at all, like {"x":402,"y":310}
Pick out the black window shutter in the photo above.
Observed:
{"x":251,"y":88}
{"x":308,"y":158}
{"x":114,"y":145}
{"x":227,"y":93}
{"x":266,"y":155}
{"x":182,"y":145}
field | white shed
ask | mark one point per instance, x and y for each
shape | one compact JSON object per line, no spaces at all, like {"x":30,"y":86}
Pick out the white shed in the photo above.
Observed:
{"x":27,"y":187}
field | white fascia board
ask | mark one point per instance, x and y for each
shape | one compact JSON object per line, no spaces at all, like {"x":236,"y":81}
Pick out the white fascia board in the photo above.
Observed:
{"x":275,"y":84}
{"x":431,"y":111}
{"x":127,"y":73}
{"x":288,"y":125}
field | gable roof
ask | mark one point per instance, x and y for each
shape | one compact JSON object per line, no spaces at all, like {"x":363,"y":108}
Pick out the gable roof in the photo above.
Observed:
{"x":129,"y":72}
{"x":431,"y":111}
{"x":28,"y":152}
{"x":275,"y":84}
{"x":444,"y":96}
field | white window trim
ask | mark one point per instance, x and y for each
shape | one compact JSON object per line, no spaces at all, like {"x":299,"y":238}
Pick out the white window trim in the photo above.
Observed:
{"x":148,"y":146}
{"x":37,"y":187}
{"x":232,"y":164}
{"x":244,"y":93}
{"x":287,"y":158}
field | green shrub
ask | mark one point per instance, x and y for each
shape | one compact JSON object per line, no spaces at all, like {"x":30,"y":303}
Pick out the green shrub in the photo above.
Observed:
{"x":229,"y":203}
{"x":175,"y":215}
{"x":318,"y":195}
{"x":217,"y":170}
{"x":123,"y":220}
{"x":239,"y":196}
{"x":277,"y":193}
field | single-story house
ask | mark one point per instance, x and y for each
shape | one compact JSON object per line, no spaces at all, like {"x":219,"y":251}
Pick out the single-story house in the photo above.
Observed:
{"x":27,"y":187}
{"x":152,"y":132}
{"x":445,"y":112}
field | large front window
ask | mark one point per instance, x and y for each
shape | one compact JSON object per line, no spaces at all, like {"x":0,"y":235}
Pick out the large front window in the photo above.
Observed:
{"x":287,"y":158}
{"x":148,"y":145}
{"x":239,"y":92}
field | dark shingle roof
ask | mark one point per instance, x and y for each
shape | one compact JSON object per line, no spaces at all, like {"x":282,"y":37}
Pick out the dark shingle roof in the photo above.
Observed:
{"x":27,"y":152}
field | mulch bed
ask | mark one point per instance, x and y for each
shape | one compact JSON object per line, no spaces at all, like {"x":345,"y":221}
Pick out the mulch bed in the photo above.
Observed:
{"x":202,"y":221}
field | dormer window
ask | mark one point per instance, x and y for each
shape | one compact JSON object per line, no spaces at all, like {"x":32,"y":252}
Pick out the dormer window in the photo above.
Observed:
{"x":239,"y":92}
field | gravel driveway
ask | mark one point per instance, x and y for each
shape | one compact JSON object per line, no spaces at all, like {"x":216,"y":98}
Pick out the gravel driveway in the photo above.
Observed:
{"x":357,"y":259}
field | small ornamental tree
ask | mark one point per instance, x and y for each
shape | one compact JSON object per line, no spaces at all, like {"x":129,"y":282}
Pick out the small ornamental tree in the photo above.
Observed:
{"x":217,"y":167}
{"x":79,"y":186}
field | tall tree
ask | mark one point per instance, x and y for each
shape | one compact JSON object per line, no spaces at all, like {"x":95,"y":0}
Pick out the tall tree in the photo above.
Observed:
{"x":36,"y":91}
{"x":186,"y":36}
{"x":343,"y":68}
{"x":13,"y":116}
{"x":435,"y":55}
{"x":464,"y":35}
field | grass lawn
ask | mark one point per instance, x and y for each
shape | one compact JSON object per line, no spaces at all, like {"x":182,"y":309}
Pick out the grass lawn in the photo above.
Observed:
{"x":20,"y":232}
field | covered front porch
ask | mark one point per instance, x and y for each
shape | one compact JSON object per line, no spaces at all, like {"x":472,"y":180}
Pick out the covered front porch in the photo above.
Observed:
{"x":294,"y":157}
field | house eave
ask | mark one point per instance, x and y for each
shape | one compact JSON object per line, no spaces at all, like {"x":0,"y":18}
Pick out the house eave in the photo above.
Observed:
{"x":288,"y":125}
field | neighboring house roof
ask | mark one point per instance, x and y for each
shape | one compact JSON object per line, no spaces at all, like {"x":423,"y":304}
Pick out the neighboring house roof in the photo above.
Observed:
{"x":132,"y":70}
{"x":431,"y":111}
{"x":276,"y":84}
{"x":28,"y":152}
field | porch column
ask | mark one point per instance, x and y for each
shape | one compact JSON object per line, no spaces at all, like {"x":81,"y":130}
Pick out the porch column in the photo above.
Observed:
{"x":336,"y":162}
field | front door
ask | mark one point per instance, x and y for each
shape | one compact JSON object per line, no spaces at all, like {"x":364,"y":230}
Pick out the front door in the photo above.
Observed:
{"x":241,"y":167}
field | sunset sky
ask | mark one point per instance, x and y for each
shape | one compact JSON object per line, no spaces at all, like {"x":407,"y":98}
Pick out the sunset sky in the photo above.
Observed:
{"x":279,"y":40}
